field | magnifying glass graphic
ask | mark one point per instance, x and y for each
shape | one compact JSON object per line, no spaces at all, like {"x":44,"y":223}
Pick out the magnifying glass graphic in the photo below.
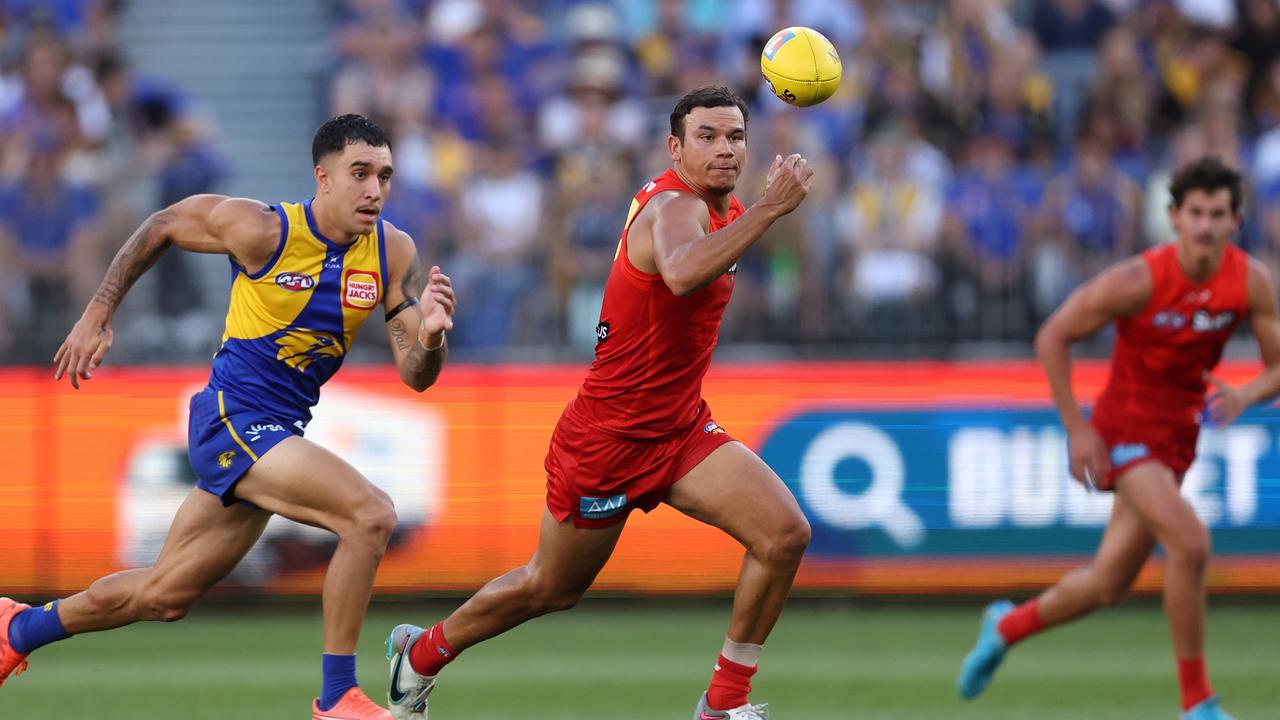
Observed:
{"x":880,"y":505}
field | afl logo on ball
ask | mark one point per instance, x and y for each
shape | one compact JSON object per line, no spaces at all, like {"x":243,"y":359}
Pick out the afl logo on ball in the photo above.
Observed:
{"x":295,"y":282}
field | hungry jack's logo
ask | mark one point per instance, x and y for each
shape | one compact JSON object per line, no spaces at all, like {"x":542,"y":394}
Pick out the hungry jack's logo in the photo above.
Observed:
{"x":360,"y":289}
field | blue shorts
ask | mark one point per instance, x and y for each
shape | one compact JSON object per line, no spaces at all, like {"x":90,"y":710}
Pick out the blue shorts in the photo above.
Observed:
{"x":226,"y":437}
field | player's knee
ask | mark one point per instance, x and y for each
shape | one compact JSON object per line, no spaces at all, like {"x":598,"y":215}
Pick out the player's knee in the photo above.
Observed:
{"x":172,"y":612}
{"x":166,"y":606}
{"x":561,"y":600}
{"x":787,"y":545}
{"x":547,"y":597}
{"x":1112,"y":592}
{"x":1190,"y":549}
{"x":375,"y":520}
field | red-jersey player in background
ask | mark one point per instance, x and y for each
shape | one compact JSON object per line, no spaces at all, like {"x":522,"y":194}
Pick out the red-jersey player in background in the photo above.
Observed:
{"x":639,"y":433}
{"x":1175,"y":306}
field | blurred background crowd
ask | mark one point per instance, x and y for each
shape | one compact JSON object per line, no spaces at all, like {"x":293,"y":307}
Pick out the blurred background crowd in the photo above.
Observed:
{"x":981,"y":158}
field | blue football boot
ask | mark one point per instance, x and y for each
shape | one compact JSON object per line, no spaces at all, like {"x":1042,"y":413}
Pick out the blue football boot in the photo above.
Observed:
{"x":1207,"y":709}
{"x":981,"y":662}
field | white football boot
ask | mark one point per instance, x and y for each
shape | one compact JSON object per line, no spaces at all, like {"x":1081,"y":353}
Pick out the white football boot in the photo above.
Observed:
{"x":407,"y":697}
{"x":744,"y":712}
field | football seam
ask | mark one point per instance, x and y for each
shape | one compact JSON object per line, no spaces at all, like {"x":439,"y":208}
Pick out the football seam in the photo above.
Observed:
{"x":779,"y":75}
{"x":813,"y":56}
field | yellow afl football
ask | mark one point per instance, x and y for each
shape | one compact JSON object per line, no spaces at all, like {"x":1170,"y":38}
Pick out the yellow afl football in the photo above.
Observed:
{"x":801,"y":66}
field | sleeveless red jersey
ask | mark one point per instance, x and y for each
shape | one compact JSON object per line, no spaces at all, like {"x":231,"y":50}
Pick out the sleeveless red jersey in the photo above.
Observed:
{"x":1161,"y":354}
{"x":652,"y":347}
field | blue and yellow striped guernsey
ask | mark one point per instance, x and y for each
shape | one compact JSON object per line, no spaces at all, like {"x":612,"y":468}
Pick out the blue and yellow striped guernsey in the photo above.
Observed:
{"x":290,"y":324}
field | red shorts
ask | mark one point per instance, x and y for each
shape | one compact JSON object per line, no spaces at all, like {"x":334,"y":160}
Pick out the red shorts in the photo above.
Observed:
{"x":1135,"y":443}
{"x":597,"y":478}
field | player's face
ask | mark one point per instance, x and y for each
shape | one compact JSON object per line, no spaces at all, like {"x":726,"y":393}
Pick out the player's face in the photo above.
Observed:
{"x":1204,"y":222}
{"x":356,"y":183}
{"x":714,"y":148}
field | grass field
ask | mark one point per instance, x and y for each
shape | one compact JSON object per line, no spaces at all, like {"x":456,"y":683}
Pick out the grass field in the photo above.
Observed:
{"x":652,"y":660}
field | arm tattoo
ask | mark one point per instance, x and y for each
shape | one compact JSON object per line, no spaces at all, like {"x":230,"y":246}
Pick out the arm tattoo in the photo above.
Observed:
{"x":418,"y":359}
{"x":400,"y":335}
{"x":411,"y":286}
{"x":135,"y":257}
{"x":424,"y":365}
{"x":421,"y":365}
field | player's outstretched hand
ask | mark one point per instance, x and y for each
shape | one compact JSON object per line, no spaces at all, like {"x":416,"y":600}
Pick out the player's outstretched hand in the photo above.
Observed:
{"x":1090,"y":462}
{"x":84,"y":348}
{"x":788,"y":182}
{"x":437,"y":303}
{"x":1226,"y":402}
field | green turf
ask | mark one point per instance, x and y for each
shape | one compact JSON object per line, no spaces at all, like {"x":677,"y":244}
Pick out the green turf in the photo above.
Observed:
{"x":652,"y":661}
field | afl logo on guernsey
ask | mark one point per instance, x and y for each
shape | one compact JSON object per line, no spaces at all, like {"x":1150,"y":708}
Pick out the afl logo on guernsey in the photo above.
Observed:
{"x":295,"y":282}
{"x":360,"y":289}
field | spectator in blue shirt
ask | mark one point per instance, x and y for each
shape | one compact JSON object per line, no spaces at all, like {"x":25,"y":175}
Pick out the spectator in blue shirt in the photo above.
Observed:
{"x":48,"y":235}
{"x":989,"y":212}
{"x":1071,"y":24}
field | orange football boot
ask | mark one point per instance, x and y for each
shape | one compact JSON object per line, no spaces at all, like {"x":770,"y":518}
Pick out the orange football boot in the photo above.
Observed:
{"x":11,"y":661}
{"x":355,"y":705}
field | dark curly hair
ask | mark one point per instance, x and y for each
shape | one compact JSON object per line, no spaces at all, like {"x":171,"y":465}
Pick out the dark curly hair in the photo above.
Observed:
{"x":1209,"y":174}
{"x":708,"y":97}
{"x":339,"y":132}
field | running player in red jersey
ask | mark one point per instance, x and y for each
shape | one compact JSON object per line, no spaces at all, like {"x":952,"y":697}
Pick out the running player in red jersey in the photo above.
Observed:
{"x":1175,"y":306}
{"x":639,"y":433}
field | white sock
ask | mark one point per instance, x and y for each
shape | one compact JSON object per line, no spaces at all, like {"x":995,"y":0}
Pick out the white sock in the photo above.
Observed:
{"x":742,"y":653}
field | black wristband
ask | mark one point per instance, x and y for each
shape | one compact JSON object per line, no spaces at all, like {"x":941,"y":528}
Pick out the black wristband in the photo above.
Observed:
{"x":407,"y":302}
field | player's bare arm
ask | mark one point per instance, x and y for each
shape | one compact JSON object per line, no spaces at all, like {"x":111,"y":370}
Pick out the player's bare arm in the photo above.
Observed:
{"x":247,"y":230}
{"x":419,"y":312}
{"x":670,"y":236}
{"x":1226,"y":402}
{"x":1121,"y":290}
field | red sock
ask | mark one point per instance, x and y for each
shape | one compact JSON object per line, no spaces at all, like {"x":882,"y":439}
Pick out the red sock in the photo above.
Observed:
{"x":1194,"y":682}
{"x":432,"y":651}
{"x":730,"y":684}
{"x":1023,"y":621}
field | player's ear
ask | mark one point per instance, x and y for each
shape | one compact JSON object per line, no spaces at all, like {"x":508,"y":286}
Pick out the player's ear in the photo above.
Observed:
{"x":673,"y":147}
{"x":322,"y":178}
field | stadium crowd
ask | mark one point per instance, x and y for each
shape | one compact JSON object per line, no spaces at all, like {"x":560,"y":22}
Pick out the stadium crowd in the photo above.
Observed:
{"x":980,"y":159}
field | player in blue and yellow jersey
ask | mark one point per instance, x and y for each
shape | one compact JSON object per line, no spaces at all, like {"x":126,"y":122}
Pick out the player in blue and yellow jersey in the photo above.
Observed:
{"x":307,"y":275}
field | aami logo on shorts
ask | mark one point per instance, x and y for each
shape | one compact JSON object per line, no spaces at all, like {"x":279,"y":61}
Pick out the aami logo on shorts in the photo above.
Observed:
{"x":1128,"y":452}
{"x":360,"y":289}
{"x":254,"y":431}
{"x":595,"y":508}
{"x":295,"y":281}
